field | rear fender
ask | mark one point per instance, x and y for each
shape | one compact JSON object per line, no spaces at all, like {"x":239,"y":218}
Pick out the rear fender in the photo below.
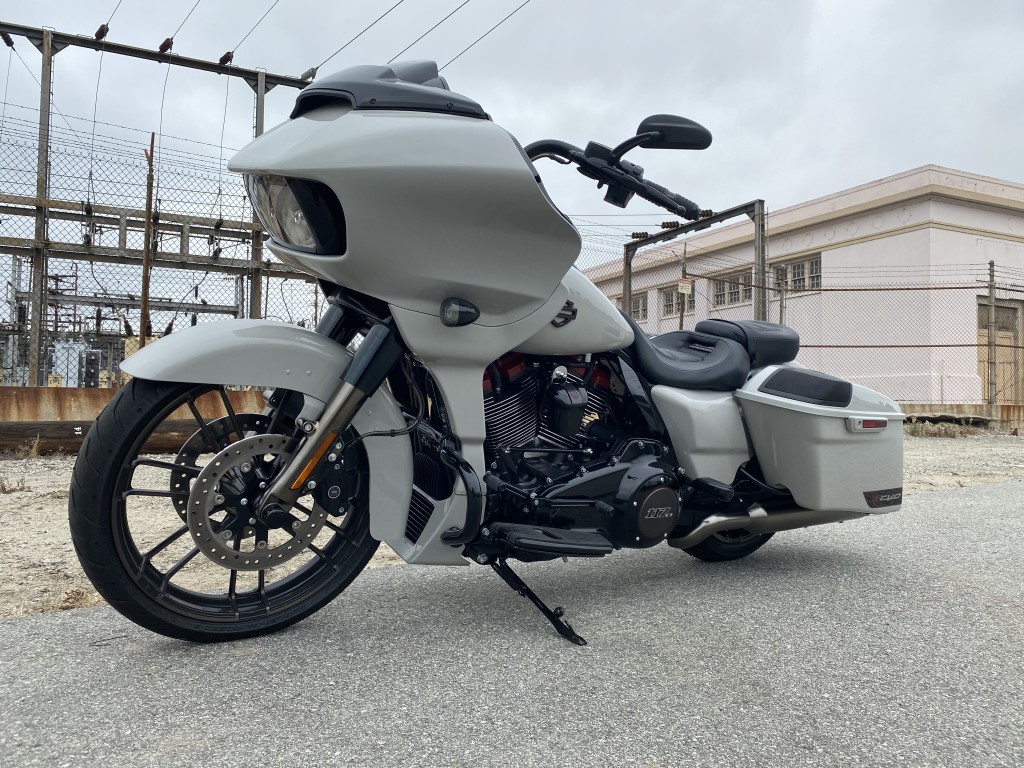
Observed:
{"x":268,"y":354}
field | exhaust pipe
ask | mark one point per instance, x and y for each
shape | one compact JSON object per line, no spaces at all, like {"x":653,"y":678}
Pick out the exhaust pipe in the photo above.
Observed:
{"x":759,"y":520}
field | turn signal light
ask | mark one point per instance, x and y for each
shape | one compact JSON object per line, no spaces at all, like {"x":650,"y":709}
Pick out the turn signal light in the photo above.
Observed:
{"x":456,"y":312}
{"x":866,"y":425}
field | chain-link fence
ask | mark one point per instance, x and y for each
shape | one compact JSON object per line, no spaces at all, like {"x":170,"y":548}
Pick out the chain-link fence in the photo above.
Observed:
{"x":87,"y":291}
{"x":925,"y":336}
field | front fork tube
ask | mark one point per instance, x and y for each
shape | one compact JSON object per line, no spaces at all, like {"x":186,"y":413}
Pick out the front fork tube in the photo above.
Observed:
{"x":368,"y":369}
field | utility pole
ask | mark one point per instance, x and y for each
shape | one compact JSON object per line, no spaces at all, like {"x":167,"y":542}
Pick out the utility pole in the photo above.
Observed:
{"x":992,"y":368}
{"x":147,"y":248}
{"x":39,"y":282}
{"x":256,"y":272}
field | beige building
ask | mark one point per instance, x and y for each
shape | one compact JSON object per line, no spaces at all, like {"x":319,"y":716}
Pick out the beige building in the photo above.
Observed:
{"x":887,"y":283}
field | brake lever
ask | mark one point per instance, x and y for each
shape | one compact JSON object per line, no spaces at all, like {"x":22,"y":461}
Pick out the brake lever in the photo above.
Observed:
{"x":557,"y":158}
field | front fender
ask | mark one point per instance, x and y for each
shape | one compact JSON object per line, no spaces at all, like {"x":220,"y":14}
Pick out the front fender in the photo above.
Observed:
{"x":258,"y":353}
{"x":265,"y":353}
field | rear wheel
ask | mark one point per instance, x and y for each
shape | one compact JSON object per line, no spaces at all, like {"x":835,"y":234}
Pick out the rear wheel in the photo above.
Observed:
{"x":208,"y":568}
{"x":728,"y":545}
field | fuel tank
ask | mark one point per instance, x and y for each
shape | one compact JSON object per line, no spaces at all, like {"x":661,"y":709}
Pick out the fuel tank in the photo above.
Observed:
{"x":588,"y":322}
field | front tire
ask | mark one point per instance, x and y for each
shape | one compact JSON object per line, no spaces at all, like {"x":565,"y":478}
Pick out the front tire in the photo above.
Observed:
{"x":728,"y":545}
{"x":127,"y":511}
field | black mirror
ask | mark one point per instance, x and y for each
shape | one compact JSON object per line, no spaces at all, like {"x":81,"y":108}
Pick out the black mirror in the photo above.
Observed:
{"x":676,"y":133}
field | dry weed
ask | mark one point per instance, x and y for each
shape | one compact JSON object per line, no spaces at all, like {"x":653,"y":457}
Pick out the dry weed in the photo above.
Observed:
{"x":8,"y":487}
{"x":918,"y":427}
{"x":31,"y":449}
{"x":78,"y":598}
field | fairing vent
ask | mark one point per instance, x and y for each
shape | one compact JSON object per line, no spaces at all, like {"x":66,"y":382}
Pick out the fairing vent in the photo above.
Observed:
{"x":420,"y":510}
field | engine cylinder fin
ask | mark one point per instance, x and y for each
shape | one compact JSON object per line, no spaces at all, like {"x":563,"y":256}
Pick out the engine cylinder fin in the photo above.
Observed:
{"x":512,"y":421}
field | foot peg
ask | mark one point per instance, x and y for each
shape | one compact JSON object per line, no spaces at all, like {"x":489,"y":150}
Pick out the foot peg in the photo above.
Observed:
{"x":534,"y":542}
{"x":556,"y":616}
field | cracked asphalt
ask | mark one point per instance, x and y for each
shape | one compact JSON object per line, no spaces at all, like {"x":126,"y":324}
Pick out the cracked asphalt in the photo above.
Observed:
{"x":892,"y":641}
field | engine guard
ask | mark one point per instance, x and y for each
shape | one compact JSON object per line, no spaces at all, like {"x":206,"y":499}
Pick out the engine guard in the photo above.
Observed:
{"x":269,"y":354}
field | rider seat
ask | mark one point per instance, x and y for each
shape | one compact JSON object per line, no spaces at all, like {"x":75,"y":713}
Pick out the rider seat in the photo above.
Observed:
{"x":689,"y":360}
{"x":766,"y":343}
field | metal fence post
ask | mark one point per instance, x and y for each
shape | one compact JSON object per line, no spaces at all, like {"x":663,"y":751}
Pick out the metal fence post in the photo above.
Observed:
{"x":684,"y":298}
{"x":760,"y":265}
{"x":992,"y":333}
{"x":39,"y":278}
{"x":627,"y":277}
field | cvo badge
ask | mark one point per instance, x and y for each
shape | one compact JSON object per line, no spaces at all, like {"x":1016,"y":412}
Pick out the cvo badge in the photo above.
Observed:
{"x":887,"y":498}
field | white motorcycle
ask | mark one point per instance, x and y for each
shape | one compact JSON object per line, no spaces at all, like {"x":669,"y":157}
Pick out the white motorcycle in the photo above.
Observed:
{"x":468,"y":397}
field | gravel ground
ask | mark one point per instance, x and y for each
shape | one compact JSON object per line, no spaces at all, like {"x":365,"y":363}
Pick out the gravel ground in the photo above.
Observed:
{"x":889,"y":643}
{"x":39,"y":570}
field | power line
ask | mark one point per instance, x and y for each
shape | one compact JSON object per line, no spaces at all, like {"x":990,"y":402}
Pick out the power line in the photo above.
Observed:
{"x":374,"y":22}
{"x":272,"y":6}
{"x":163,"y":98}
{"x":7,"y":82}
{"x":95,"y":103}
{"x":442,"y":21}
{"x":485,"y":34}
{"x":114,"y":11}
{"x":52,"y":102}
{"x":185,"y":19}
{"x":116,"y":125}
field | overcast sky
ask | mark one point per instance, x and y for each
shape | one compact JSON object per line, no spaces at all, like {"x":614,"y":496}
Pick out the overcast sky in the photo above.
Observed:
{"x":803,"y":97}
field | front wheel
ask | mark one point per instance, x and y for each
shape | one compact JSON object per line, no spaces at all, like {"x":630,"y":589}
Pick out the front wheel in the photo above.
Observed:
{"x":728,"y":545}
{"x":207,"y":568}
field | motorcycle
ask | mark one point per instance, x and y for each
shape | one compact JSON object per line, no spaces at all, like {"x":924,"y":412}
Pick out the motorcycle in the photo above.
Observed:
{"x":468,"y":396}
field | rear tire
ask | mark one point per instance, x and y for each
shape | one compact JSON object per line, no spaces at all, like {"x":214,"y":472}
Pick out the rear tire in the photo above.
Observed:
{"x":728,"y":545}
{"x":133,"y":540}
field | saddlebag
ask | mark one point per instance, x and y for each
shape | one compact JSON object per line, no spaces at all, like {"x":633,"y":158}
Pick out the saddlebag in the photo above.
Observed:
{"x":833,"y":444}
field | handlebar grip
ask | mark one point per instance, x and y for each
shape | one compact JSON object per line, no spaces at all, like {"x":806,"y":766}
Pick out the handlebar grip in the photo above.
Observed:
{"x":685,"y":208}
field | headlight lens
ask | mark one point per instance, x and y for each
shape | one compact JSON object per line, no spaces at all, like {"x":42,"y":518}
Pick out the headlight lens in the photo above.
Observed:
{"x":279,"y":211}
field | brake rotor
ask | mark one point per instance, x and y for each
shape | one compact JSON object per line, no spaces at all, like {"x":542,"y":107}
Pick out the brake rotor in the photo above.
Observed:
{"x":198,"y":444}
{"x":227,"y":486}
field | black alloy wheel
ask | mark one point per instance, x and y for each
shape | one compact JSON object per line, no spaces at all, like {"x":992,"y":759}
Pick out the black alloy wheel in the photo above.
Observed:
{"x":200,"y":564}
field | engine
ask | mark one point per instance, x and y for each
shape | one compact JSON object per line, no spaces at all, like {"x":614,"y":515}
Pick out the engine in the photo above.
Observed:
{"x":562,"y":452}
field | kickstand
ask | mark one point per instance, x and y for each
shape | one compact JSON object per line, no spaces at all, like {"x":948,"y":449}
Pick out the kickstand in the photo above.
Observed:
{"x":563,"y":627}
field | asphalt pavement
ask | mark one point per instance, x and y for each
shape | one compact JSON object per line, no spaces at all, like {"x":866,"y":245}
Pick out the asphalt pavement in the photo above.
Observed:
{"x":896,"y":641}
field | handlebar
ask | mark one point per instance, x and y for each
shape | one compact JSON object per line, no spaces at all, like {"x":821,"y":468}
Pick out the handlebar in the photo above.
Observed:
{"x":597,"y":163}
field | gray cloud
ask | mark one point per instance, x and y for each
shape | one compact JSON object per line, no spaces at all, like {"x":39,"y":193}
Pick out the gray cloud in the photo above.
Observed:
{"x":804,"y":98}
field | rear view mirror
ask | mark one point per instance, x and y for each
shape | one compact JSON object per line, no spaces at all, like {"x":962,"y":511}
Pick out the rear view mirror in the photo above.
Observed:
{"x":676,"y":133}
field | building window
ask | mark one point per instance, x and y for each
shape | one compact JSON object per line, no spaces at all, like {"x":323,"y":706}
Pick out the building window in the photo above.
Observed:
{"x":720,"y":286}
{"x":638,"y":311}
{"x":799,"y":275}
{"x":734,"y":289}
{"x":671,"y":301}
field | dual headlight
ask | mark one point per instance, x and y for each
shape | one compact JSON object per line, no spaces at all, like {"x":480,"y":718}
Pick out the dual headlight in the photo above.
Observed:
{"x":299,"y":213}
